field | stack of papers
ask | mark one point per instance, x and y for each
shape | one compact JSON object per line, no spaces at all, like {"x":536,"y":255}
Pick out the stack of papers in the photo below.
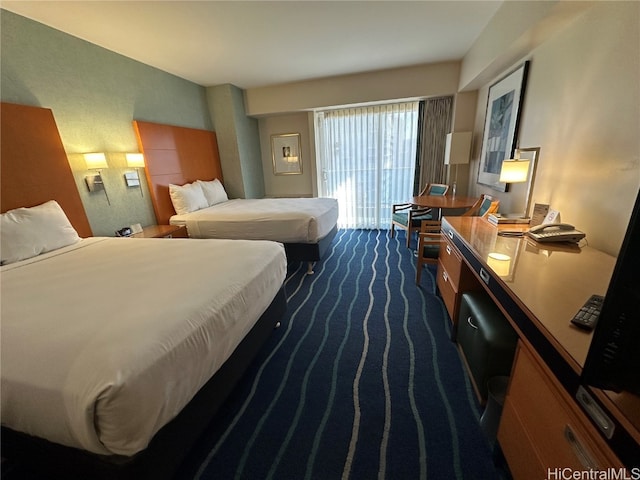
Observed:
{"x":496,"y":218}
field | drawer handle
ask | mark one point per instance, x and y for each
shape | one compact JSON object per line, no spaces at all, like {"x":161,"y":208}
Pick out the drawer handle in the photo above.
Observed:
{"x":484,"y":275}
{"x":448,"y":250}
{"x":470,"y":322}
{"x":602,"y":420}
{"x":445,"y":276}
{"x":450,"y":233}
{"x":578,"y":449}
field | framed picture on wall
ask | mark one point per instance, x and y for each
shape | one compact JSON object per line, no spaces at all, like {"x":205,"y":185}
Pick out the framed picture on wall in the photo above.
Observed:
{"x":285,"y":153}
{"x":501,"y":123}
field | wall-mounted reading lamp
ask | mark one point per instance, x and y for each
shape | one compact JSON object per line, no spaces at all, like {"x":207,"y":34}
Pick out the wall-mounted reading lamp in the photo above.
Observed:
{"x":519,"y":170}
{"x":134,"y":160}
{"x":96,"y":161}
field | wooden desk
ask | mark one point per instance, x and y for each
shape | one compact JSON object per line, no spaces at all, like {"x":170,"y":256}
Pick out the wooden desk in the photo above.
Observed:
{"x":444,"y":201}
{"x":539,"y":288}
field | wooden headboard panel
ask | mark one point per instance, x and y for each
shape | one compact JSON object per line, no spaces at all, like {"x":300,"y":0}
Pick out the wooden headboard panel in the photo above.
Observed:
{"x":175,"y":155}
{"x":34,"y":166}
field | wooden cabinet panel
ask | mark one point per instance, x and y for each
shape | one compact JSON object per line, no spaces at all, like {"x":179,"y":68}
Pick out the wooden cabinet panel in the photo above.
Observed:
{"x":163,"y":231}
{"x":516,"y":446}
{"x":553,"y":430}
{"x":451,"y":261}
{"x":179,"y":233}
{"x":447,"y":292}
{"x":454,"y":278}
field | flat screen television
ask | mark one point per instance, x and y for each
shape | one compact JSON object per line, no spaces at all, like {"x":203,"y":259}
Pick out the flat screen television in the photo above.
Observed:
{"x":613,"y":360}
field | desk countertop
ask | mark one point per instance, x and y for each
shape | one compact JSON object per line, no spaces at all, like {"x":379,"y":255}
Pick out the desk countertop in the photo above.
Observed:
{"x":550,"y":281}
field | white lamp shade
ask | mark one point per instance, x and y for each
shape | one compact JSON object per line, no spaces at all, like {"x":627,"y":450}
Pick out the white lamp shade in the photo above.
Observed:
{"x":135,"y":160}
{"x":457,"y":148}
{"x":514,"y":171}
{"x":500,"y":263}
{"x":95,"y":160}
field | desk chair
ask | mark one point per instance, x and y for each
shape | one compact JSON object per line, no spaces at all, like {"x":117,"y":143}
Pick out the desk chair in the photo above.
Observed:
{"x":483,"y":207}
{"x":408,"y":217}
{"x":434,"y":189}
{"x":429,"y":239}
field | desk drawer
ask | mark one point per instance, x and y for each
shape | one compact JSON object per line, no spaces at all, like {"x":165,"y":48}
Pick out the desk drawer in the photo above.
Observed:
{"x":451,"y":261}
{"x":516,"y":446}
{"x":447,"y":292}
{"x":557,"y":433}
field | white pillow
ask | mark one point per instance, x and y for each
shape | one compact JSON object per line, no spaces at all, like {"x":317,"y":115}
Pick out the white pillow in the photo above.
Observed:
{"x":187,"y":198}
{"x":213,"y":191}
{"x":28,"y":232}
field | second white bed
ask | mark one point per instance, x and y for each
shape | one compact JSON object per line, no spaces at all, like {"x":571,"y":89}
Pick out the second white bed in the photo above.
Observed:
{"x":287,"y":220}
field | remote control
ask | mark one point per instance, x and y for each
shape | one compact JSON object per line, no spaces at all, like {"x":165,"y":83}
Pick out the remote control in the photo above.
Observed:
{"x":587,"y":316}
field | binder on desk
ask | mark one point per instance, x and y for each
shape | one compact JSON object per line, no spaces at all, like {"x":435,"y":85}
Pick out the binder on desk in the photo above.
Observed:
{"x":498,"y":219}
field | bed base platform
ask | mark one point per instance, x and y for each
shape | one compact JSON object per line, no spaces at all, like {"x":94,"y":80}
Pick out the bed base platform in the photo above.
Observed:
{"x":168,"y":448}
{"x":309,"y":252}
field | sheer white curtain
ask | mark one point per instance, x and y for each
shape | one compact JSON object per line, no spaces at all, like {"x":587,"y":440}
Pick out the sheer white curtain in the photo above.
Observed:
{"x":366,"y":159}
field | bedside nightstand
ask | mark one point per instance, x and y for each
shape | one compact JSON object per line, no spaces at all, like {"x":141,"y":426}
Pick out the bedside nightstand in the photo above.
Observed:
{"x":162,"y":231}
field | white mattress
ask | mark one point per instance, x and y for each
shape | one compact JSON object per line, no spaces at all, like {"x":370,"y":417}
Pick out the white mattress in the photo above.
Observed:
{"x":287,"y":220}
{"x":105,"y":341}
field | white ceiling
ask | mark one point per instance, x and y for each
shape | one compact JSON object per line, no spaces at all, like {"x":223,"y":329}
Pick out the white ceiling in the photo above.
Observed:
{"x":258,"y":43}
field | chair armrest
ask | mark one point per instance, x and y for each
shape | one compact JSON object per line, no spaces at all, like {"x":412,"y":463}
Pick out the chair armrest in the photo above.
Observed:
{"x":426,"y":239}
{"x":396,"y":207}
{"x":430,"y":234}
{"x":417,"y":211}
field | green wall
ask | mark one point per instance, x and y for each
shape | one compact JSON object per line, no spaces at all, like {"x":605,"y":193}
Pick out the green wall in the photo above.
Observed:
{"x":238,"y":142}
{"x":95,"y":94}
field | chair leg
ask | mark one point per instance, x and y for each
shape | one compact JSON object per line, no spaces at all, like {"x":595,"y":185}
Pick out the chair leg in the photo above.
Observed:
{"x":409,"y":232}
{"x":418,"y":273}
{"x":392,"y":230}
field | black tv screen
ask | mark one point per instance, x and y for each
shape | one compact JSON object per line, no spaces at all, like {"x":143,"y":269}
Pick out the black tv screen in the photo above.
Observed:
{"x":613,"y":360}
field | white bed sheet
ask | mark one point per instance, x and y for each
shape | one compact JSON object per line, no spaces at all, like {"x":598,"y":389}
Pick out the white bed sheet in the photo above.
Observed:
{"x":105,"y":341}
{"x":287,"y":220}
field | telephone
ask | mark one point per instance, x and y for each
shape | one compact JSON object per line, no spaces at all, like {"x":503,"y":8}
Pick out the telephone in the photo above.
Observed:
{"x":555,"y":232}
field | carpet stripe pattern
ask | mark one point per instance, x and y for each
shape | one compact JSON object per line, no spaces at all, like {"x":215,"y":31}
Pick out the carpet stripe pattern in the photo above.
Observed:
{"x":361,"y":381}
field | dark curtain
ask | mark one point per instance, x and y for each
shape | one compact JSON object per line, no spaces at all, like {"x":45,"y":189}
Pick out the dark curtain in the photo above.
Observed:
{"x":434,"y":122}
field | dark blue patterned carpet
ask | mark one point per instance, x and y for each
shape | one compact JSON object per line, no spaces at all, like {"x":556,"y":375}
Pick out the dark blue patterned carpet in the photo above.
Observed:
{"x":360,"y":382}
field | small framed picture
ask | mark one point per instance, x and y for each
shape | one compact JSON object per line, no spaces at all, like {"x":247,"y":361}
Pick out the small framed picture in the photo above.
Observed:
{"x":285,"y":153}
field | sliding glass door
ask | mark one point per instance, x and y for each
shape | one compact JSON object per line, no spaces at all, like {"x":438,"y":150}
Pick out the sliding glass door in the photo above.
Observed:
{"x":366,"y":159}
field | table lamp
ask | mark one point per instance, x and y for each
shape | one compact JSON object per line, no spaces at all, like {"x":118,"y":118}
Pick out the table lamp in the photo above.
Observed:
{"x":457,"y":150}
{"x":518,"y":170}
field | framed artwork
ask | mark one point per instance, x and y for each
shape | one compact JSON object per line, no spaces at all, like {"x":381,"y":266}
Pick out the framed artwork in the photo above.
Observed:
{"x":500,"y":136}
{"x":285,"y":153}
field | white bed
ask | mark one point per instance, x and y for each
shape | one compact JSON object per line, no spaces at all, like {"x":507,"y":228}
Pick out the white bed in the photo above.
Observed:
{"x":185,"y":162}
{"x":86,"y":302}
{"x":287,"y":220}
{"x":106,"y":340}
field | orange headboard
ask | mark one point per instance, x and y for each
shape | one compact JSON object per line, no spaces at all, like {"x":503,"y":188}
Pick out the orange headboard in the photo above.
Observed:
{"x":176,"y":155}
{"x":34,"y":167}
